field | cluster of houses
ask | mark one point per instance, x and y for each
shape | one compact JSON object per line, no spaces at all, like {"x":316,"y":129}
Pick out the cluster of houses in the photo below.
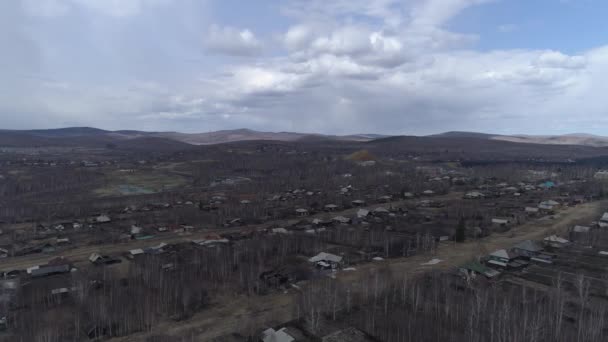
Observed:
{"x":515,"y":258}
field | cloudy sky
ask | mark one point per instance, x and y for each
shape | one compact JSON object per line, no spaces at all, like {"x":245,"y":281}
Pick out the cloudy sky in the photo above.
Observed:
{"x":327,"y":66}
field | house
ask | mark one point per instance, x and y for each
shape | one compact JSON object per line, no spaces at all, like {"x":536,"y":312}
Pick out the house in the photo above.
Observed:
{"x":604,"y":221}
{"x":135,"y":230}
{"x":528,"y":248}
{"x":63,"y":241}
{"x":323,"y":259}
{"x":408,"y":195}
{"x":428,"y":192}
{"x":381,"y":211}
{"x":3,"y":253}
{"x":532,"y":210}
{"x":473,"y":195}
{"x":98,"y":259}
{"x":358,"y":203}
{"x":501,"y":258}
{"x":581,"y":229}
{"x":556,"y":241}
{"x":54,"y":266}
{"x":281,"y":335}
{"x":210,"y":241}
{"x":341,"y":220}
{"x":279,"y":231}
{"x":103,"y":219}
{"x":385,"y":199}
{"x":545,"y":208}
{"x":361,"y":213}
{"x":551,"y":203}
{"x":135,"y":252}
{"x":302,"y":212}
{"x":547,"y":185}
{"x":331,"y":207}
{"x":500,"y":222}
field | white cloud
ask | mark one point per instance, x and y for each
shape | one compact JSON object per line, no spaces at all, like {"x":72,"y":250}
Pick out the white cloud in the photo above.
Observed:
{"x":556,"y":59}
{"x":232,"y":41}
{"x":346,"y":66}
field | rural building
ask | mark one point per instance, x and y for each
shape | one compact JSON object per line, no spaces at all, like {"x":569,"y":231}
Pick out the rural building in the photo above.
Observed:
{"x":500,"y":222}
{"x":528,"y":248}
{"x":501,"y":258}
{"x":473,"y":195}
{"x":556,"y":241}
{"x":279,"y":231}
{"x":358,"y":203}
{"x":103,"y":219}
{"x":385,"y":199}
{"x":408,"y":195}
{"x":326,"y":260}
{"x":302,"y":212}
{"x":341,"y":220}
{"x":331,"y":207}
{"x":98,"y":259}
{"x":361,"y":213}
{"x":604,"y":221}
{"x":54,"y":266}
{"x":281,"y":335}
{"x":532,"y":211}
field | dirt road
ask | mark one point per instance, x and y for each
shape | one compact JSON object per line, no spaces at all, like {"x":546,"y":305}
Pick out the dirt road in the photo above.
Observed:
{"x":241,"y":314}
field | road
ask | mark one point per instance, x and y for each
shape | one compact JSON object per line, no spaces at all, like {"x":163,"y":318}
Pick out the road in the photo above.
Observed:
{"x":242,"y":314}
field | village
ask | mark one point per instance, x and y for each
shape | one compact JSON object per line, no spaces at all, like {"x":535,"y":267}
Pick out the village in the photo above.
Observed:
{"x":243,"y":234}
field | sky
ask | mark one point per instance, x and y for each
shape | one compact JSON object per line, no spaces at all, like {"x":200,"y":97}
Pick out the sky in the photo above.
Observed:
{"x":337,"y":67}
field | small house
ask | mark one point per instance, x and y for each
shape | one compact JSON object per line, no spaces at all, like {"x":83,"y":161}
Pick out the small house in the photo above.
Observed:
{"x":341,"y":220}
{"x":103,"y":219}
{"x":331,"y":207}
{"x":501,"y":258}
{"x":358,"y":203}
{"x":302,"y":212}
{"x":473,"y":195}
{"x":385,"y":198}
{"x":281,"y":335}
{"x":500,"y":222}
{"x":279,"y":231}
{"x":528,"y":248}
{"x":381,"y":211}
{"x":361,"y":213}
{"x":604,"y":221}
{"x":556,"y":241}
{"x":531,"y":211}
{"x":323,"y":259}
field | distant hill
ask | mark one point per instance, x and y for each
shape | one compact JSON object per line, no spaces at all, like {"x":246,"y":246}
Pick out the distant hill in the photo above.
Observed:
{"x":581,"y":139}
{"x":93,"y":137}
